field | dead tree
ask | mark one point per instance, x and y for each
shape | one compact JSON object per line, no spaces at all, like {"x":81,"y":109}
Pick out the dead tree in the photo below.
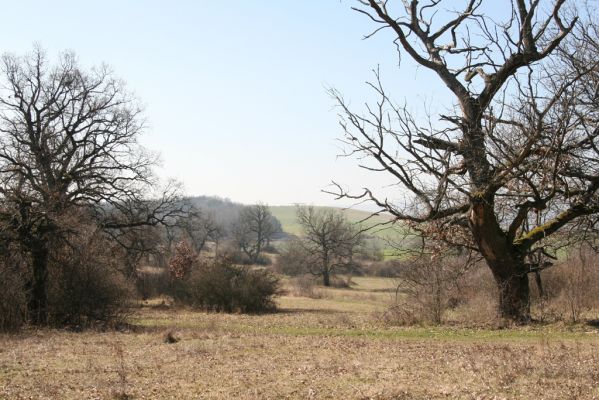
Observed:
{"x":516,"y":162}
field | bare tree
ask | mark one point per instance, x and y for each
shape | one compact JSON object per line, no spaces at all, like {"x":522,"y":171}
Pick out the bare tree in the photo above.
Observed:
{"x":329,"y":240}
{"x":254,"y":229}
{"x":68,"y":145}
{"x":516,"y":161}
{"x":139,"y":245}
{"x":200,"y":227}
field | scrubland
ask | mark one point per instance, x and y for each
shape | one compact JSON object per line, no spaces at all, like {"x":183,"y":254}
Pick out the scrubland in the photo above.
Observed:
{"x":337,"y":343}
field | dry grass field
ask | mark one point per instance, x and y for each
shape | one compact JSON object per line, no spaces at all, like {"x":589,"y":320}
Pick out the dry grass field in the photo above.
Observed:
{"x":331,"y":347}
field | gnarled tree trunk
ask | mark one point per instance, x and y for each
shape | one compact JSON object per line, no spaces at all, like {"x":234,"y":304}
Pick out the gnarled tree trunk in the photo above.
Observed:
{"x":506,"y":264}
{"x":514,"y":296}
{"x":513,"y":287}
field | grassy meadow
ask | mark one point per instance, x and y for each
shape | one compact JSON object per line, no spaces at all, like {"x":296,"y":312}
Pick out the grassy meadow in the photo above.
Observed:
{"x":334,"y":344}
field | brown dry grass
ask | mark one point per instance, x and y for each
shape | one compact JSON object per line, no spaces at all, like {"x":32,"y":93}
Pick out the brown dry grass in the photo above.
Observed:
{"x":329,"y":348}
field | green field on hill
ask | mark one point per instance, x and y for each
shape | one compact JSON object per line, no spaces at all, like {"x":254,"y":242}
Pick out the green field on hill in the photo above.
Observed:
{"x":287,"y":216}
{"x":384,"y":235}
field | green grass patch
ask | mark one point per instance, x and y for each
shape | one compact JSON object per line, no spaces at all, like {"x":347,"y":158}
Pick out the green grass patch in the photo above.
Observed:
{"x":288,"y":217}
{"x":391,"y":333}
{"x":386,"y":237}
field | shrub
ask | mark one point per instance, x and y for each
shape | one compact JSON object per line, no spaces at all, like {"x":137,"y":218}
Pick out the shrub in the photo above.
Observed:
{"x":236,"y":256}
{"x":262,"y":259}
{"x":475,"y":297}
{"x":371,"y":250}
{"x":304,"y":286}
{"x":341,"y":281}
{"x":439,"y":291}
{"x":293,"y":259}
{"x":86,"y":288}
{"x":271,"y":248}
{"x":383,"y":269}
{"x":13,"y":299}
{"x":570,"y":287}
{"x":429,"y":287}
{"x":151,"y":282}
{"x":224,"y":287}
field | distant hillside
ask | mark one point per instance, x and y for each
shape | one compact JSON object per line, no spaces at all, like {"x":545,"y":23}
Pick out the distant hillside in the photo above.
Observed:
{"x":381,"y":236}
{"x":288,"y":218}
{"x":226,"y":211}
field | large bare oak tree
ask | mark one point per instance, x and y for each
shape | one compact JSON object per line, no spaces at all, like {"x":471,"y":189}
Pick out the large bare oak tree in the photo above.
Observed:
{"x":514,"y":163}
{"x":68,"y":146}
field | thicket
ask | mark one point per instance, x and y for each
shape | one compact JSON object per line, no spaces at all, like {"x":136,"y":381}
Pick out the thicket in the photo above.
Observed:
{"x":13,"y":299}
{"x":220,"y":285}
{"x":448,"y":291}
{"x":86,"y":284}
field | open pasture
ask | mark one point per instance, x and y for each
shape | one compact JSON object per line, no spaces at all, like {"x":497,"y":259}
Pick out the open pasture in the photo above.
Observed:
{"x":332,"y":347}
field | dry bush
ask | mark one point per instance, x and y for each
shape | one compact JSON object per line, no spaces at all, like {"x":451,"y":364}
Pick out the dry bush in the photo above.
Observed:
{"x":271,"y":249}
{"x":236,"y":256}
{"x":476,"y":295}
{"x":383,"y":269}
{"x":262,"y":259}
{"x":222,"y":286}
{"x":399,"y":314}
{"x":86,"y":286}
{"x":13,"y":298}
{"x":305,"y":286}
{"x":428,"y":293}
{"x":120,"y":389}
{"x":292,"y":260}
{"x":570,"y":289}
{"x":371,"y":250}
{"x":226,"y":287}
{"x":341,"y":281}
{"x":152,"y":282}
{"x":570,"y":292}
{"x":428,"y":289}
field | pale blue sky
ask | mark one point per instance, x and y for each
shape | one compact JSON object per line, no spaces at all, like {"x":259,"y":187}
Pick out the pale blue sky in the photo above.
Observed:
{"x":234,"y":91}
